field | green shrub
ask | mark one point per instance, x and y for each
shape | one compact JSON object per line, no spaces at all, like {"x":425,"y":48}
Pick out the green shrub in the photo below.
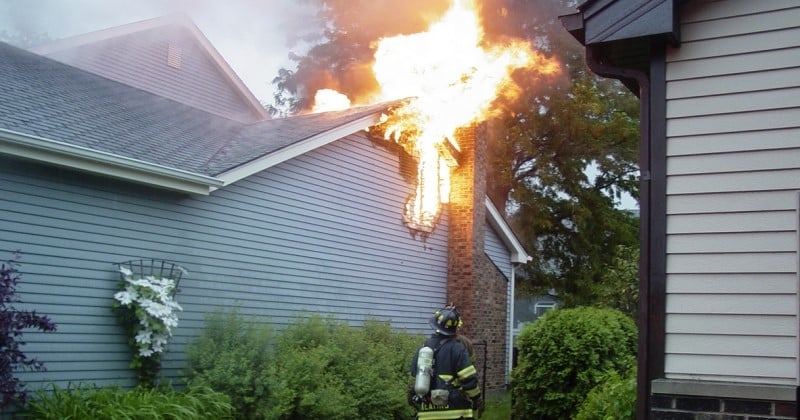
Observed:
{"x":232,"y":356}
{"x":565,"y":354}
{"x":612,"y":399}
{"x":323,"y":369}
{"x":86,"y":402}
{"x":314,"y":368}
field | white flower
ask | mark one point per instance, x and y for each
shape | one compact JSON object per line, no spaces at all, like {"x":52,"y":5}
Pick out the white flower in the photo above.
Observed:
{"x":159,"y":341}
{"x":125,"y":297}
{"x":170,"y":321}
{"x":154,"y":295}
{"x":144,"y":337}
{"x":141,"y":282}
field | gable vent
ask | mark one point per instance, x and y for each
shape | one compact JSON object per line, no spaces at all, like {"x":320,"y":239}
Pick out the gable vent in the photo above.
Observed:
{"x":174,"y":56}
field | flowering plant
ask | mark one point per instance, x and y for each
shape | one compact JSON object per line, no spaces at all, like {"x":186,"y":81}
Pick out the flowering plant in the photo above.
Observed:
{"x":148,"y":310}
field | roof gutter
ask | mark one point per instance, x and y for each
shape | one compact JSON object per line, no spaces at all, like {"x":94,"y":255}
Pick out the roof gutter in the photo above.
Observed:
{"x":84,"y":159}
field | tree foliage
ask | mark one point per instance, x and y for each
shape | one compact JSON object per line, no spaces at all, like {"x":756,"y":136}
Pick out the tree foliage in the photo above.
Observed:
{"x":619,"y":285}
{"x":562,"y":156}
{"x":563,"y":160}
{"x":572,"y":157}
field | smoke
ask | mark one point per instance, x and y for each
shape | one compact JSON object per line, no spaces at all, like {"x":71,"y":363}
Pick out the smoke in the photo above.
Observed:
{"x":257,"y":37}
{"x":254,"y":36}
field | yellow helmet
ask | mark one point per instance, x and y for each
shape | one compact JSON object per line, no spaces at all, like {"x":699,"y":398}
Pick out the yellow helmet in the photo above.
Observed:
{"x":446,"y":321}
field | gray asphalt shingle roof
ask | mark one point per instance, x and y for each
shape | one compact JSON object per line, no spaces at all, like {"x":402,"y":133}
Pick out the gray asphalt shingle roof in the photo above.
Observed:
{"x":48,"y":99}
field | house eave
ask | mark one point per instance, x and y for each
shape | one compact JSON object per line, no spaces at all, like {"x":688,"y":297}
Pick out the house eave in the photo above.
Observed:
{"x":496,"y":220}
{"x":52,"y":152}
{"x":297,"y":149}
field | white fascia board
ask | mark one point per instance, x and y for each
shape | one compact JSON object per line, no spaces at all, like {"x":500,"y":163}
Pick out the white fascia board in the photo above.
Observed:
{"x":518,"y":254}
{"x":103,"y":163}
{"x":226,"y":69}
{"x":297,"y":149}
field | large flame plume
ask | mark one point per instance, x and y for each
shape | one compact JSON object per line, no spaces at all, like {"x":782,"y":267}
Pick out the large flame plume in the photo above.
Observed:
{"x":452,"y":77}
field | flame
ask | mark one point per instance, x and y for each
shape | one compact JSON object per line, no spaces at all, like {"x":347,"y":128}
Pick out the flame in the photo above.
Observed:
{"x":452,"y":77}
{"x":330,"y":100}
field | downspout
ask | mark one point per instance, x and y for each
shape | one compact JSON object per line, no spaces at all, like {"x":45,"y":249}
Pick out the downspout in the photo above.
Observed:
{"x":511,"y":321}
{"x":644,"y":365}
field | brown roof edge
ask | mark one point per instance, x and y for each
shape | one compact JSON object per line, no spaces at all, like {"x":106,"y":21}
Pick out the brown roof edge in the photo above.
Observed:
{"x":573,"y":23}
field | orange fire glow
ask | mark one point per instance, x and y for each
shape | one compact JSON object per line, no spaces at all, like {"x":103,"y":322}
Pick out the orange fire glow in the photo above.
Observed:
{"x":452,"y":78}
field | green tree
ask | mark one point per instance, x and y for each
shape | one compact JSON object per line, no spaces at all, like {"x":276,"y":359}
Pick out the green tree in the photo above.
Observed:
{"x":562,"y":161}
{"x":619,"y":285}
{"x":572,"y":155}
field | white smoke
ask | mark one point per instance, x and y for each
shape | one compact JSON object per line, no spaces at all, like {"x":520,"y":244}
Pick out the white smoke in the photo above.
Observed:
{"x":254,"y":36}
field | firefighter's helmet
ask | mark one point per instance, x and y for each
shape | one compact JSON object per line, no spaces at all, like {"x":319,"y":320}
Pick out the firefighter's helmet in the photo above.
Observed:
{"x":446,"y":321}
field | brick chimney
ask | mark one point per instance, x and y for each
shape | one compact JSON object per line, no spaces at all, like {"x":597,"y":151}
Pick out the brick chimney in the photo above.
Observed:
{"x":474,"y":284}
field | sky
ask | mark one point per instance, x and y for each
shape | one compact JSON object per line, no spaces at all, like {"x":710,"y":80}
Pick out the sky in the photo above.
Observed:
{"x":252,"y":35}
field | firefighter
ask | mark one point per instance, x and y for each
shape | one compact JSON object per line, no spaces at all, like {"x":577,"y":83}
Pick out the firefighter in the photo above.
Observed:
{"x":452,"y":391}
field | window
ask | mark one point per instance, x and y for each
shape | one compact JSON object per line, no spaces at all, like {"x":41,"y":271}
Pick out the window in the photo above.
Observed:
{"x":539,"y":308}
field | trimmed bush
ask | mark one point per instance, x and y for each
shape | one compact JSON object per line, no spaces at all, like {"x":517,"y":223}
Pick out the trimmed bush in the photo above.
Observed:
{"x":86,"y":402}
{"x":565,"y":354}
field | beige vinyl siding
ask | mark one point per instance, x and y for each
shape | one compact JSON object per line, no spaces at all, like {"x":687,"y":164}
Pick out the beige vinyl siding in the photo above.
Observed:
{"x":733,"y":176}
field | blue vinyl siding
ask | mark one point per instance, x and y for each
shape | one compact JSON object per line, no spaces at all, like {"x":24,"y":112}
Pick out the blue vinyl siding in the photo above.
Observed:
{"x":497,"y":252}
{"x":318,"y":234}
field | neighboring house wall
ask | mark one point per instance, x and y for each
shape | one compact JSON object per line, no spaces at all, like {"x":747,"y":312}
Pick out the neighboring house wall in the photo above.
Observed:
{"x":321,"y":233}
{"x":719,"y":84}
{"x":733,"y":176}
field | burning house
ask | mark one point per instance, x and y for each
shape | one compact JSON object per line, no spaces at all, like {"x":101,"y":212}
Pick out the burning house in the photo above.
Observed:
{"x":140,"y":143}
